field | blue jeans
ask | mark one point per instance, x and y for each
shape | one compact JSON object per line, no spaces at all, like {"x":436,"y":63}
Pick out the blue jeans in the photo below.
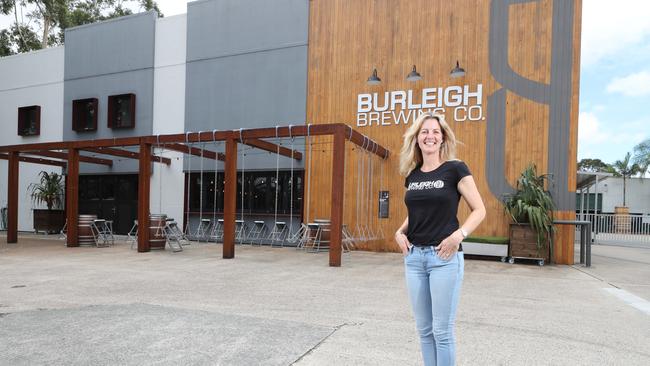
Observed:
{"x":434,"y":288}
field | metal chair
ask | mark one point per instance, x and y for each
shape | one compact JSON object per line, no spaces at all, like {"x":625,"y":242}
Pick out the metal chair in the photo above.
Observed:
{"x":103,"y":232}
{"x":297,"y":238}
{"x":132,"y":235}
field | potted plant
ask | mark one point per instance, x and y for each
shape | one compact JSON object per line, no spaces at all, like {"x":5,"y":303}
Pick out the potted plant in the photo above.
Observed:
{"x":531,"y":208}
{"x":48,"y":191}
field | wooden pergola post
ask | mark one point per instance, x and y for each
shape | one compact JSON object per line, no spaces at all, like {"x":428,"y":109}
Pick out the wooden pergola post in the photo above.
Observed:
{"x":338,"y":183}
{"x":144,"y":193}
{"x":12,"y":198}
{"x":230,"y":199}
{"x":72,"y":198}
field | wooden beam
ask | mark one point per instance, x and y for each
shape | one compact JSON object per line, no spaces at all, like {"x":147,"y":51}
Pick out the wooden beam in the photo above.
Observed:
{"x":61,"y":155}
{"x":207,"y":136}
{"x":230,"y":199}
{"x":362,"y":141}
{"x":208,"y":154}
{"x":126,"y":154}
{"x":267,"y":146}
{"x":72,"y":198}
{"x":12,"y":198}
{"x":144,"y":193}
{"x":338,"y":184}
{"x":27,"y":159}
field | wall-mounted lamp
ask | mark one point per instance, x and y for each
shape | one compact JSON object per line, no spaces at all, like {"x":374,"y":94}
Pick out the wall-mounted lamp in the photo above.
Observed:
{"x":457,"y":71}
{"x":373,"y":79}
{"x":414,"y":75}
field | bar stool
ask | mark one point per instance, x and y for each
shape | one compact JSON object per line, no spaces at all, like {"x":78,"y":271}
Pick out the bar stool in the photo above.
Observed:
{"x":279,"y":233}
{"x":217,"y":230}
{"x":257,"y":231}
{"x":203,"y":230}
{"x":240,"y":230}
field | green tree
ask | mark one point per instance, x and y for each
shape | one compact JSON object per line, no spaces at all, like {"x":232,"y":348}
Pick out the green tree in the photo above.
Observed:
{"x":41,"y":23}
{"x":642,"y":156}
{"x":622,"y":168}
{"x":594,"y":165}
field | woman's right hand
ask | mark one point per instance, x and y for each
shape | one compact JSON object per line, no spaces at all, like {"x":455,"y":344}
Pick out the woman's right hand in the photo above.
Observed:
{"x":403,"y":242}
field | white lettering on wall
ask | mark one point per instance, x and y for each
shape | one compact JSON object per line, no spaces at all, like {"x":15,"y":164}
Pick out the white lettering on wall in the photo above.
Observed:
{"x":463,"y":103}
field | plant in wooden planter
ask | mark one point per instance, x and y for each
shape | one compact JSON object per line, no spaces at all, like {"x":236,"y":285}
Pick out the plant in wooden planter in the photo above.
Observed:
{"x":48,"y":191}
{"x":531,"y":208}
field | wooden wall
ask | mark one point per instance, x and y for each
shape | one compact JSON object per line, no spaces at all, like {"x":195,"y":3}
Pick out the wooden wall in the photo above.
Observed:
{"x":347,"y":39}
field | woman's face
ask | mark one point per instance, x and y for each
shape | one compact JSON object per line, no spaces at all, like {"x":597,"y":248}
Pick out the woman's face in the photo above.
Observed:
{"x":430,"y":136}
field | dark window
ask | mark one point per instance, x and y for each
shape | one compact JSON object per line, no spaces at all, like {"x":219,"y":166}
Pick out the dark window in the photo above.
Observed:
{"x":121,"y":111}
{"x":84,"y":114}
{"x":29,"y":120}
{"x":259,"y":192}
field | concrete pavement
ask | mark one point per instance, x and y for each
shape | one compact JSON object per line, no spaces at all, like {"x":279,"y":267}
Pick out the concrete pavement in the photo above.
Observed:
{"x":279,"y":306}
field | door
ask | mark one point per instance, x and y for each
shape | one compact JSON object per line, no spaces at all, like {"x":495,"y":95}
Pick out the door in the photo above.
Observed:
{"x":110,"y":197}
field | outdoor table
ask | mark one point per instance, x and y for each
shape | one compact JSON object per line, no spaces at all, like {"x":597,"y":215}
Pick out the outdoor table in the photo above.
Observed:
{"x":585,"y":238}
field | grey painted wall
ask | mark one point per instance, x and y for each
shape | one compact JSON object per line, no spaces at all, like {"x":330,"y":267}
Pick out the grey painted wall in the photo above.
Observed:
{"x":109,"y":58}
{"x":557,"y":95}
{"x":246,"y":67}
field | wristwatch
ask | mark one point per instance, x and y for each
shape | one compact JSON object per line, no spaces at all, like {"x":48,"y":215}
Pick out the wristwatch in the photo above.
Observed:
{"x":463,"y":232}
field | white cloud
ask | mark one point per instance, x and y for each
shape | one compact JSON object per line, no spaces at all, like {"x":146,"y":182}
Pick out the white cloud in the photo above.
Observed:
{"x":608,"y":27}
{"x":607,"y":141}
{"x":633,"y":85}
{"x":590,"y":130}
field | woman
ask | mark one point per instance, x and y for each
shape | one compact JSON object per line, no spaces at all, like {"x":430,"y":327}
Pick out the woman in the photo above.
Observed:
{"x":430,"y":237}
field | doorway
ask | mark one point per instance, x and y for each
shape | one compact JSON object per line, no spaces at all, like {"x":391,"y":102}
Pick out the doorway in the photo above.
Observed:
{"x":110,"y":197}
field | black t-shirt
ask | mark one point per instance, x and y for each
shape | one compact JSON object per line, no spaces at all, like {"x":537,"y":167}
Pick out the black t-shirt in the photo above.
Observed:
{"x":432,"y":201}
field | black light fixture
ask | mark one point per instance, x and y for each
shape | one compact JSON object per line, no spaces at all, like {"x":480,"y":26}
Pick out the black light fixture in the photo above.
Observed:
{"x":373,"y":79}
{"x":457,"y":71}
{"x":414,"y":75}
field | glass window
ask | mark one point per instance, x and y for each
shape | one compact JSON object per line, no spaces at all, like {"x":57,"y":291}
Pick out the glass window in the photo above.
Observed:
{"x":121,"y":111}
{"x":29,"y":121}
{"x":84,"y":114}
{"x":259,"y":192}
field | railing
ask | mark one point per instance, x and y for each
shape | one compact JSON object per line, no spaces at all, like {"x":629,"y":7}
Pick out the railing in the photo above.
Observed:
{"x":620,"y":229}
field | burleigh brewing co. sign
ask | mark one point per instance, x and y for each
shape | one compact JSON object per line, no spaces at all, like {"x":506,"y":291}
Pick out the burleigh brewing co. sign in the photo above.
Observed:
{"x":457,"y":103}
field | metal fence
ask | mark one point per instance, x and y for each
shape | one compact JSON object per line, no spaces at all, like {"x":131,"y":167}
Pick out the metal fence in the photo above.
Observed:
{"x":618,"y":229}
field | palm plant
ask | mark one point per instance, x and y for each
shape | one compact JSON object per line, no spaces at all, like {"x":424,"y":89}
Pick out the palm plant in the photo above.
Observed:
{"x":533,"y":205}
{"x":642,"y":156}
{"x":48,"y":191}
{"x":622,"y":168}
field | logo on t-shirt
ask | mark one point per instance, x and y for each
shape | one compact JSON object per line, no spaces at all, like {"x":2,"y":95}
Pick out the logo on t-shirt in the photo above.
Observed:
{"x":419,"y":186}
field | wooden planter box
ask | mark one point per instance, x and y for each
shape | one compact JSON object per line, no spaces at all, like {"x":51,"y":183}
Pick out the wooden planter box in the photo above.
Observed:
{"x":49,"y":221}
{"x":523,"y":243}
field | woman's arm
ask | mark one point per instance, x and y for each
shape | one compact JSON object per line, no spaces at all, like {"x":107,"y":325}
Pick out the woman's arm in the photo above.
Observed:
{"x":400,"y":236}
{"x":468,"y":190}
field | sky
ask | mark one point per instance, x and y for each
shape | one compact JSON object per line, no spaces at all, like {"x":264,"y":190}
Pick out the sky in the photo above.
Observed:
{"x":614,"y":75}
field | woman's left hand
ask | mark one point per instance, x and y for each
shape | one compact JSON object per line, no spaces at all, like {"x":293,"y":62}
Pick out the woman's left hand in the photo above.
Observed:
{"x":449,"y":246}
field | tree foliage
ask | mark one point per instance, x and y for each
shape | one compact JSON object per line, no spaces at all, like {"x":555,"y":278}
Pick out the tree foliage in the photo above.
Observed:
{"x":41,"y":23}
{"x":642,"y":156}
{"x":623,"y":168}
{"x":594,"y":165}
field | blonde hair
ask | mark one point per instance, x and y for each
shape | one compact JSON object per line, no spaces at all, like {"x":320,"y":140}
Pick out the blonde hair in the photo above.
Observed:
{"x":411,"y":155}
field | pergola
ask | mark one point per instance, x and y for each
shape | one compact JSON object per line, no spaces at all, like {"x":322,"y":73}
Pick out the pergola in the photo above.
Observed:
{"x":69,"y":155}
